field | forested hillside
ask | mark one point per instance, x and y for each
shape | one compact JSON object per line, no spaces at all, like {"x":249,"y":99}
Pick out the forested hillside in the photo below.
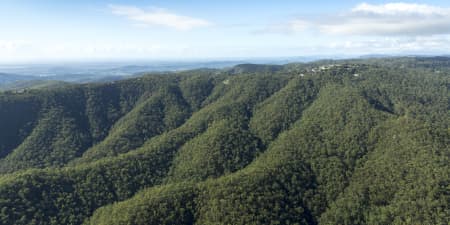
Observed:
{"x":328,"y":142}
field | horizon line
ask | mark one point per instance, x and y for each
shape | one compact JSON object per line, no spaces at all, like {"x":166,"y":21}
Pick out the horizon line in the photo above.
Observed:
{"x":312,"y":57}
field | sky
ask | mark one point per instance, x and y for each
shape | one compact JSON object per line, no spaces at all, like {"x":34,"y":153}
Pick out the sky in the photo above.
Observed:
{"x":55,"y":30}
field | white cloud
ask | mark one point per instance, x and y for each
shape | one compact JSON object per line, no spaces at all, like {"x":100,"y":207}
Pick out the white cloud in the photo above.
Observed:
{"x":393,"y":45}
{"x":391,"y":19}
{"x":158,"y":17}
{"x":400,"y":8}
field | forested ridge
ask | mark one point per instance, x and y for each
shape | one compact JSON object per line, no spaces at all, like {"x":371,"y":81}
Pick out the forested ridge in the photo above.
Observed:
{"x":329,"y":142}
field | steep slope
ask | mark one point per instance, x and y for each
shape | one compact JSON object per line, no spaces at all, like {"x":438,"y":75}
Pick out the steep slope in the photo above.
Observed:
{"x":86,"y":187}
{"x":293,"y":181}
{"x":345,"y":143}
{"x":300,"y":176}
{"x":18,"y":116}
{"x":66,"y":122}
{"x":406,"y":173}
{"x":225,"y":147}
{"x":164,"y":110}
{"x":59,"y":135}
{"x":279,"y":111}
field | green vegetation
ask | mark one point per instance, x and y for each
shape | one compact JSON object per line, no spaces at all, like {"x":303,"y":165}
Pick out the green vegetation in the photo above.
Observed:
{"x":23,"y":85}
{"x":330,"y":142}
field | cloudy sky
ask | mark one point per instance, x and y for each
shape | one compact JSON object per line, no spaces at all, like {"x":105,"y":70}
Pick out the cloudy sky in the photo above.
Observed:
{"x":199,"y":29}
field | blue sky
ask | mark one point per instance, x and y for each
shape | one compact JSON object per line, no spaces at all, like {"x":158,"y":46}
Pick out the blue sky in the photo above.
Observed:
{"x":48,"y":30}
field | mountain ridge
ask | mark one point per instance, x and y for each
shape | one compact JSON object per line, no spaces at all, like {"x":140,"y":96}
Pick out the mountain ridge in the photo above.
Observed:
{"x":307,"y":143}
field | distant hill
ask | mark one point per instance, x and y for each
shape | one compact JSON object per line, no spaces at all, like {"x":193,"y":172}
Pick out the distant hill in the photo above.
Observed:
{"x":32,"y":84}
{"x":255,"y":68}
{"x":360,"y":141}
{"x":6,"y":78}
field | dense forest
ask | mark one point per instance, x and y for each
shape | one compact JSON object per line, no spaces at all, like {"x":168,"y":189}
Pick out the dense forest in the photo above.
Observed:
{"x":346,"y":142}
